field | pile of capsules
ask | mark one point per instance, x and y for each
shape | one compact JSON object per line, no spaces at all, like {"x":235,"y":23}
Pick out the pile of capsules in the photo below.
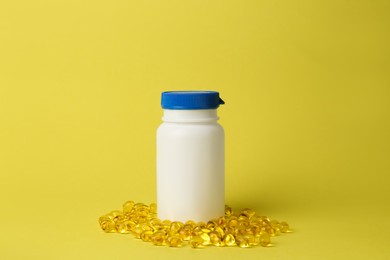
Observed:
{"x":244,"y":229}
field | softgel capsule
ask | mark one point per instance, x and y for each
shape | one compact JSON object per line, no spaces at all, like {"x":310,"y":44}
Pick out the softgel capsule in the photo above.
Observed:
{"x":243,"y":229}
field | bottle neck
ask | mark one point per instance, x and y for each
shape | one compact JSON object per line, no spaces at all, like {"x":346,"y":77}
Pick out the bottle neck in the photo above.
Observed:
{"x":190,"y":116}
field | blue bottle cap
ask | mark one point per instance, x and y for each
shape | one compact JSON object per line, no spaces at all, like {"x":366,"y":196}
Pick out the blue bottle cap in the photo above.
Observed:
{"x":190,"y":100}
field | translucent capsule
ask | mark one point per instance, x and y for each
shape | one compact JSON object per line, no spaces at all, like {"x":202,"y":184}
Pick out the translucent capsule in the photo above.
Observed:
{"x":229,"y":230}
{"x":108,"y":225}
{"x":229,"y":240}
{"x":155,"y":224}
{"x":191,"y":223}
{"x":275,"y":227}
{"x":142,"y":212}
{"x":201,"y":224}
{"x":166,"y":224}
{"x":105,"y":218}
{"x":140,"y":205}
{"x":228,"y":211}
{"x":265,"y":220}
{"x":211,"y":224}
{"x":116,"y":215}
{"x":242,"y":224}
{"x":215,"y":239}
{"x":206,"y":230}
{"x":128,"y":206}
{"x":249,"y":230}
{"x":221,"y":221}
{"x":265,"y":239}
{"x":256,"y":220}
{"x":121,"y":227}
{"x":158,"y":238}
{"x":197,"y":230}
{"x":220,"y":231}
{"x":146,"y":227}
{"x":175,"y":227}
{"x":129,"y":216}
{"x":153,"y":208}
{"x":196,"y":241}
{"x":252,"y":241}
{"x":256,"y":229}
{"x":284,"y":227}
{"x":129,"y":224}
{"x":244,"y":244}
{"x":137,"y":230}
{"x":243,"y":217}
{"x":206,"y":238}
{"x":174,"y":241}
{"x":248,"y":212}
{"x":186,"y":232}
{"x":146,"y":235}
{"x":270,"y":230}
{"x":232,"y":223}
{"x":239,"y":238}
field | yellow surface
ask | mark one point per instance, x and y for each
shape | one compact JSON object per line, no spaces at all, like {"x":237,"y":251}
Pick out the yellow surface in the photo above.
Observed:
{"x":307,"y":91}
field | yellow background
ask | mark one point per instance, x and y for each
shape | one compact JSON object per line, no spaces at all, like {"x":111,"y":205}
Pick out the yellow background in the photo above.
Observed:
{"x":307,"y":91}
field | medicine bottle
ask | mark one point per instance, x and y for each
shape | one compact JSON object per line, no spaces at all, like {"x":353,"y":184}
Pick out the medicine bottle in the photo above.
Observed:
{"x":190,"y":157}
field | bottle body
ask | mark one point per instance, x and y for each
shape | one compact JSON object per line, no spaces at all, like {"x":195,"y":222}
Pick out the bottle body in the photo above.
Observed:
{"x":190,"y":166}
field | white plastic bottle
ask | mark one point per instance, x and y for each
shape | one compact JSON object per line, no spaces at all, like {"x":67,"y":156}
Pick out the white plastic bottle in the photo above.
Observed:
{"x":190,"y":157}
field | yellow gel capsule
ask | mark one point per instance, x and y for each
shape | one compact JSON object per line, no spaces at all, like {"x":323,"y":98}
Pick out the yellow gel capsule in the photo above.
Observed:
{"x":265,"y":239}
{"x":248,"y":212}
{"x":206,"y":230}
{"x":233,"y":223}
{"x":176,"y":226}
{"x":221,"y":221}
{"x":244,"y":244}
{"x":284,"y":227}
{"x":191,"y":223}
{"x":146,"y":227}
{"x":242,"y":224}
{"x":270,"y":230}
{"x":215,"y":238}
{"x":116,"y":215}
{"x":211,"y":225}
{"x":186,"y":232}
{"x":175,"y":241}
{"x":220,"y":231}
{"x":252,"y":241}
{"x":206,"y":238}
{"x":155,"y":223}
{"x":229,"y":240}
{"x":140,"y":205}
{"x":142,"y":212}
{"x":158,"y":238}
{"x":196,"y":241}
{"x":243,"y":217}
{"x":146,"y":236}
{"x":201,"y":224}
{"x":129,"y":224}
{"x":153,"y":208}
{"x":128,"y":206}
{"x":239,"y":238}
{"x":121,"y":227}
{"x":108,"y":226}
{"x":256,"y":229}
{"x":137,"y":230}
{"x":197,"y":231}
{"x":228,"y":211}
{"x":166,"y":224}
{"x":256,"y":220}
{"x":105,"y":218}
